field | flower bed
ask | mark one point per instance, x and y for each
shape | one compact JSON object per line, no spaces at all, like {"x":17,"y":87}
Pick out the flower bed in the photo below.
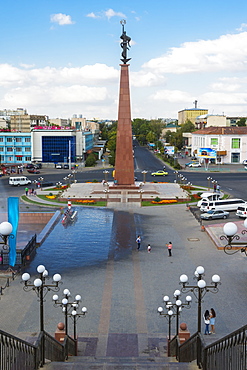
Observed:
{"x":83,"y":201}
{"x":51,"y":196}
{"x":164,"y":201}
{"x":61,"y":187}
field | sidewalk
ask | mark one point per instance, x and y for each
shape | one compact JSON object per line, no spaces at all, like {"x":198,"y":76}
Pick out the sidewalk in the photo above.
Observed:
{"x":235,"y":168}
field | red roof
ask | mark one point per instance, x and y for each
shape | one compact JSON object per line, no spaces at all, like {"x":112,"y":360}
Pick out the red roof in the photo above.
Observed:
{"x":216,"y":130}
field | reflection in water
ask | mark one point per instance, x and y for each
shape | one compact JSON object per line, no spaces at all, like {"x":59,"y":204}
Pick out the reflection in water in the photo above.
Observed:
{"x":97,"y":235}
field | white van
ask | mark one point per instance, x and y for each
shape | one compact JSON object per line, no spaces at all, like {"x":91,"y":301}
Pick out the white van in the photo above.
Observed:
{"x":242,"y":211}
{"x":209,"y":196}
{"x":225,"y":205}
{"x":20,"y":180}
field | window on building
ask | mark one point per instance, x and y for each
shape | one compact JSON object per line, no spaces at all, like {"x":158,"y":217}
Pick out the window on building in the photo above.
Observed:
{"x":1,"y":148}
{"x":9,"y":149}
{"x":27,"y":159}
{"x":9,"y":139}
{"x":214,"y":141}
{"x":18,"y":149}
{"x":18,"y":139}
{"x":1,"y":139}
{"x":10,"y":159}
{"x":235,"y":143}
{"x":27,"y":139}
{"x":27,"y":149}
{"x":18,"y":159}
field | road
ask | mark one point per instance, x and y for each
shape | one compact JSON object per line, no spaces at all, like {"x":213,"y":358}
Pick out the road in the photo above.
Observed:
{"x":144,"y":159}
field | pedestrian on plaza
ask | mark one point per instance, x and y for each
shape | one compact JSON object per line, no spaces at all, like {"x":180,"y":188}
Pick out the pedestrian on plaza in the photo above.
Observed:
{"x":149,"y":248}
{"x":26,"y":191}
{"x":32,"y":191}
{"x":138,"y":241}
{"x":169,"y":248}
{"x":212,"y":320}
{"x":207,"y":322}
{"x":215,"y":186}
{"x":218,"y":188}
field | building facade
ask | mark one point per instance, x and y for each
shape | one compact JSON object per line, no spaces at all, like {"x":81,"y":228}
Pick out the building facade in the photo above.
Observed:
{"x":15,"y":148}
{"x":190,"y":114}
{"x":230,"y":143}
{"x":25,"y":123}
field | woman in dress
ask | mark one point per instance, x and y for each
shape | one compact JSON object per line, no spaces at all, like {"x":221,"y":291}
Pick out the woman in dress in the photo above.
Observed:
{"x":212,"y":320}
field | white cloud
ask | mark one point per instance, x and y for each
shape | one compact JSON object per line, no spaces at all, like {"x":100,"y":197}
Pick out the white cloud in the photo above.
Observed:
{"x":145,"y":79}
{"x":227,"y":53}
{"x":111,"y":13}
{"x":172,"y":96}
{"x":92,"y":15}
{"x":242,"y":27}
{"x":213,"y":98}
{"x":61,"y":19}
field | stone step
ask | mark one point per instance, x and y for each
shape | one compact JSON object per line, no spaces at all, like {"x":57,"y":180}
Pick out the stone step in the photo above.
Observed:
{"x":120,"y":363}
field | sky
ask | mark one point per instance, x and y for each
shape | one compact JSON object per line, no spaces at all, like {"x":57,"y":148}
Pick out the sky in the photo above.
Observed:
{"x":59,"y":58}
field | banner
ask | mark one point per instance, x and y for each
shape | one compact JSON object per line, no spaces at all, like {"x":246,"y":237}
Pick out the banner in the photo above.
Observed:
{"x":206,"y":153}
{"x":13,"y":218}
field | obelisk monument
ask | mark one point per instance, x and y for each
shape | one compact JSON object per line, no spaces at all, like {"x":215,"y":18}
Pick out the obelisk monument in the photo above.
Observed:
{"x":124,"y":161}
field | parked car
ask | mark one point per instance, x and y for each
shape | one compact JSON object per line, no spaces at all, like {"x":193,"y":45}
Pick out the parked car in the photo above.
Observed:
{"x":33,"y":170}
{"x":245,"y":161}
{"x":159,"y":173}
{"x":37,"y":165}
{"x":58,"y":165}
{"x":66,"y":166}
{"x":193,"y":164}
{"x":214,"y":214}
{"x":29,"y":165}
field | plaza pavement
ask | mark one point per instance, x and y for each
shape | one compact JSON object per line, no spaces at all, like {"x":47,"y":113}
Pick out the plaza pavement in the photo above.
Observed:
{"x":122,"y":294}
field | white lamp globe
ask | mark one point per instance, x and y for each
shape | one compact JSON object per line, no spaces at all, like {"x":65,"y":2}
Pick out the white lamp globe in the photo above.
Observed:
{"x":37,"y":283}
{"x":183,"y":278}
{"x":73,"y":312}
{"x":66,"y":292}
{"x":55,"y":297}
{"x":25,"y":276}
{"x":178,"y":302}
{"x":230,"y":229}
{"x":6,"y":228}
{"x":170,"y":312}
{"x":45,"y":273}
{"x":57,"y":278}
{"x":245,"y":223}
{"x":201,"y":284}
{"x":84,"y":309}
{"x":64,"y":301}
{"x":177,"y":293}
{"x":160,"y":309}
{"x":215,"y":279}
{"x":200,"y":270}
{"x":41,"y":269}
{"x":78,"y":297}
{"x":166,"y":298}
{"x":188,"y":298}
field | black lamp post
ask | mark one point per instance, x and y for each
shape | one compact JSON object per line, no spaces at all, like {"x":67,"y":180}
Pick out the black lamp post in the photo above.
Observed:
{"x":5,"y":233}
{"x":200,"y":289}
{"x":230,"y":229}
{"x":41,"y":288}
{"x":169,"y":316}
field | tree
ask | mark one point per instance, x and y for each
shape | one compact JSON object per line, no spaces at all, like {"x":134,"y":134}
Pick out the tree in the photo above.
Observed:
{"x":241,"y":122}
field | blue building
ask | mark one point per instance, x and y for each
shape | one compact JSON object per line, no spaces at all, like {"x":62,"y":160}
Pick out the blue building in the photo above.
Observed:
{"x":15,"y":148}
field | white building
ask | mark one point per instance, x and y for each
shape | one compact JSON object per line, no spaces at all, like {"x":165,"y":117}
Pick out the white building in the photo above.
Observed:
{"x":230,"y":143}
{"x":207,"y":120}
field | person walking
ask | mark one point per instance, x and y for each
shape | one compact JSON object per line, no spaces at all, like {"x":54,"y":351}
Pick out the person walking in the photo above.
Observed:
{"x":212,"y":320}
{"x":149,"y":248}
{"x":26,"y":191}
{"x":169,"y":248}
{"x":207,"y":322}
{"x":138,"y":241}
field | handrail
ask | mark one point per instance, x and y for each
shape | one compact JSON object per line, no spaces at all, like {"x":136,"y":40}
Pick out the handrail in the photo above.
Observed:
{"x":174,"y":345}
{"x":17,"y":354}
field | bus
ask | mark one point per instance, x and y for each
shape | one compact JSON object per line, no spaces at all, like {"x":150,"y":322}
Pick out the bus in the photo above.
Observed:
{"x":225,"y":205}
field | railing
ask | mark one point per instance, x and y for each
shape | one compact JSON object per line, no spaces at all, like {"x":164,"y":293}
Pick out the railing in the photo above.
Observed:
{"x":17,"y":354}
{"x":197,"y":216}
{"x":6,"y":285}
{"x":174,"y":345}
{"x":228,"y":353}
{"x":29,"y":251}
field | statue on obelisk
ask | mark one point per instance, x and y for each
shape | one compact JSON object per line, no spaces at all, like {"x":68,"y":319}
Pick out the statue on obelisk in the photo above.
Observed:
{"x":124,"y":162}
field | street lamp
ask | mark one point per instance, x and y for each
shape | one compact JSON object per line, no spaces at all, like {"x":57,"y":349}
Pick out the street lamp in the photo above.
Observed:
{"x":141,"y":191}
{"x":209,"y":180}
{"x":5,"y":232}
{"x":106,"y":175}
{"x":230,"y":229}
{"x":176,"y":173}
{"x":41,"y":288}
{"x":70,"y":309}
{"x":106,"y":191}
{"x":41,"y":179}
{"x":200,"y":289}
{"x":74,"y":172}
{"x":144,"y":172}
{"x":169,"y":316}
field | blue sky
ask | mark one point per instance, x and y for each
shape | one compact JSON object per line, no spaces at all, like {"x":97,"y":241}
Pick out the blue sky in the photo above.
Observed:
{"x":61,"y":58}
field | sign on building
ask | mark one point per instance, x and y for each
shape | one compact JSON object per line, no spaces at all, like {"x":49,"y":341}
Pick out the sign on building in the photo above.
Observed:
{"x":206,"y":153}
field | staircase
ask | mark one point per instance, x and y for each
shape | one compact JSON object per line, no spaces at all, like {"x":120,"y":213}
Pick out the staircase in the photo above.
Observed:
{"x":120,"y":363}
